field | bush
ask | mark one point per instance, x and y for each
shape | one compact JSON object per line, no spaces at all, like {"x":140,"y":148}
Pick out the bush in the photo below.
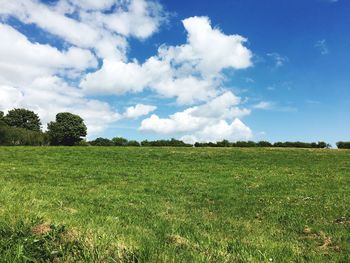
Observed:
{"x":12,"y":136}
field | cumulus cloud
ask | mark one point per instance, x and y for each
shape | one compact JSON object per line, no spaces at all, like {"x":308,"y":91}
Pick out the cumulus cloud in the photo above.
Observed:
{"x":22,"y":60}
{"x":138,"y":110}
{"x":94,"y":36}
{"x":189,"y":72}
{"x":92,"y":28}
{"x":49,"y":95}
{"x":206,"y":122}
{"x":234,"y":131}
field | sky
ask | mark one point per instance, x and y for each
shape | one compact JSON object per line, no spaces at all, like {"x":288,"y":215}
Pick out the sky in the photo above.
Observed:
{"x":196,"y":70}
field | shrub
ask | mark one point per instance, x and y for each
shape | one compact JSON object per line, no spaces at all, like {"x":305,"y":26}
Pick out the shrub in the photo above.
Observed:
{"x":13,"y":136}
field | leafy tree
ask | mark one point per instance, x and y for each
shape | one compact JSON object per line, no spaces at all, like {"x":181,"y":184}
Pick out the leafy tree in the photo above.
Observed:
{"x":133,"y":143}
{"x":2,"y":119}
{"x":66,"y":130}
{"x":23,"y":118}
{"x":120,"y":141}
{"x":343,"y":145}
{"x":101,"y":142}
{"x":264,"y":144}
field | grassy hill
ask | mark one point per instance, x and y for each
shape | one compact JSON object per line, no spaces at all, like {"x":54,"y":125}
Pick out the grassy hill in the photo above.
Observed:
{"x":96,"y":204}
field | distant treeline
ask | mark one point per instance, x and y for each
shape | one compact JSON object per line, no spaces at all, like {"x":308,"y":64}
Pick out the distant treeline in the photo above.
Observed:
{"x":118,"y":141}
{"x":226,"y":143}
{"x":23,"y":127}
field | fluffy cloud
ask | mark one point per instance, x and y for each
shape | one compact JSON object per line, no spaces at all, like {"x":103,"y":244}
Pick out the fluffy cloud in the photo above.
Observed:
{"x":92,"y":28}
{"x":49,"y":95}
{"x":138,"y":18}
{"x":207,"y":122}
{"x":29,"y":71}
{"x":138,"y":110}
{"x":115,"y":77}
{"x":22,"y":60}
{"x":236,"y":130}
{"x":43,"y":78}
{"x":190,"y":72}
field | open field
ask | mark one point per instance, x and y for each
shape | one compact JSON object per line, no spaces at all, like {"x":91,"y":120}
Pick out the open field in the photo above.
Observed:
{"x":96,"y":204}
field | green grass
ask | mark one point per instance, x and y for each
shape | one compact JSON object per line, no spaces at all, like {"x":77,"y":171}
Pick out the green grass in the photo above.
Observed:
{"x":87,"y":204}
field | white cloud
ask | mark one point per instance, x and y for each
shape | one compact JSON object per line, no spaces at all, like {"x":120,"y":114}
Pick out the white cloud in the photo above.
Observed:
{"x":278,"y":59}
{"x":49,"y":95}
{"x":9,"y":97}
{"x":93,"y":28}
{"x":263,"y":105}
{"x":207,"y":122}
{"x":322,"y":46}
{"x":91,"y":4}
{"x":115,"y":77}
{"x":138,"y":110}
{"x":34,"y":75}
{"x":22,"y":60}
{"x":138,"y":18}
{"x":188,"y":72}
{"x":234,"y":131}
{"x":29,"y":71}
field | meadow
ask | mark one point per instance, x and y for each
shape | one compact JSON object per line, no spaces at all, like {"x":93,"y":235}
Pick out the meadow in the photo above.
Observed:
{"x":125,"y":204}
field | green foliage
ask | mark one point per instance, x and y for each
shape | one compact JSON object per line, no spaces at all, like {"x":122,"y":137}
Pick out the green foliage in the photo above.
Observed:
{"x":343,"y":145}
{"x":133,"y":143}
{"x":101,"y":142}
{"x":13,"y":136}
{"x":301,"y":144}
{"x":66,"y":130}
{"x":143,"y":204}
{"x":120,"y":141}
{"x":264,"y":144}
{"x":168,"y":143}
{"x":23,"y":118}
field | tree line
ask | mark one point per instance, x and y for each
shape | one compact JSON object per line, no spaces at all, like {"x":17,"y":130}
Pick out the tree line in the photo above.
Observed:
{"x":23,"y":127}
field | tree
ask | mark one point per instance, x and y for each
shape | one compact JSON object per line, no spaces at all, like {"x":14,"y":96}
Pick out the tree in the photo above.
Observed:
{"x":23,"y":118}
{"x":66,"y":130}
{"x":120,"y":141}
{"x":101,"y":142}
{"x":343,"y":145}
{"x":2,"y":119}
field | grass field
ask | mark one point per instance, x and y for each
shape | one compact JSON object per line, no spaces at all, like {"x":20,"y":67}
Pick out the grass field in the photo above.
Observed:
{"x":87,"y":204}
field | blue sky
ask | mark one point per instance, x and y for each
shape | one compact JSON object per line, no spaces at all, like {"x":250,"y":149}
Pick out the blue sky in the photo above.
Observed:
{"x":101,"y":60}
